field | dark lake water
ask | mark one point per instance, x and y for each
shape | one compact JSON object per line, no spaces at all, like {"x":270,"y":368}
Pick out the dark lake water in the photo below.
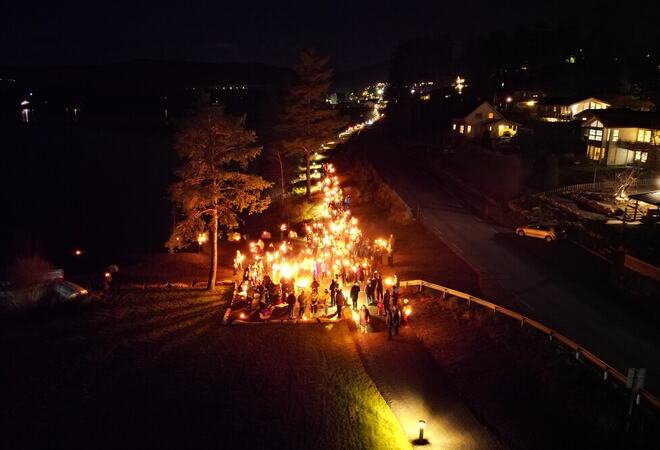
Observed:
{"x":99,"y":185}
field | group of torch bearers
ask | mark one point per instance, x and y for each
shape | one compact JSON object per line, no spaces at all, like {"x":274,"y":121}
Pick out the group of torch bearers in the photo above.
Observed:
{"x":333,"y":254}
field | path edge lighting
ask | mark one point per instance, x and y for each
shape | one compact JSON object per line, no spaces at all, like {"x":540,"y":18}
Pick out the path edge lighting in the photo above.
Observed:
{"x":422,"y":426}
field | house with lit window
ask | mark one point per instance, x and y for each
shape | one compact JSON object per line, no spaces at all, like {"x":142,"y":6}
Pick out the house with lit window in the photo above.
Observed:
{"x":621,"y":136}
{"x":555,"y":109}
{"x":483,"y":122}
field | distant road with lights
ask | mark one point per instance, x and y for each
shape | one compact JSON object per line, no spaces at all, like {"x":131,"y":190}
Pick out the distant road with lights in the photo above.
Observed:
{"x":552,"y":283}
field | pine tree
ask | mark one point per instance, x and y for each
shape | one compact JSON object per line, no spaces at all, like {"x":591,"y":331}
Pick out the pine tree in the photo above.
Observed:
{"x":307,"y":121}
{"x":213,"y":186}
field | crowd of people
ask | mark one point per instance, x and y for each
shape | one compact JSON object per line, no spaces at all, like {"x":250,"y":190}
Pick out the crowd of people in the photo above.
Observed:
{"x":316,"y":276}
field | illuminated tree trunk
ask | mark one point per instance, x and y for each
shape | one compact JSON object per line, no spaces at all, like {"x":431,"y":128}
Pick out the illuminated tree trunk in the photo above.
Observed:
{"x":279,"y":158}
{"x":309,"y":174}
{"x":213,"y":271}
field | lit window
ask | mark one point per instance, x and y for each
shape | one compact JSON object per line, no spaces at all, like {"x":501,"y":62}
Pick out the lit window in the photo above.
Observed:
{"x":461,"y":129}
{"x":469,"y":128}
{"x":490,"y":115}
{"x":641,"y":156}
{"x":615,"y":135}
{"x":595,"y":153}
{"x":643,"y":135}
{"x":453,"y":126}
{"x":595,"y":135}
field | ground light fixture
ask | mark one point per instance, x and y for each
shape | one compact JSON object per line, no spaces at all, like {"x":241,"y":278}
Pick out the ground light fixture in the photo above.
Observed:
{"x":420,"y":439}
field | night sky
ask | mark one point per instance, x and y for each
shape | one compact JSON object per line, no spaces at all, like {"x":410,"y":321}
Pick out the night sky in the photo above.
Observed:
{"x":354,"y":35}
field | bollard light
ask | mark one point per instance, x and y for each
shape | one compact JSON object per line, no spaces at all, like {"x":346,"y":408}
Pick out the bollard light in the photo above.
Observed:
{"x":422,"y":425}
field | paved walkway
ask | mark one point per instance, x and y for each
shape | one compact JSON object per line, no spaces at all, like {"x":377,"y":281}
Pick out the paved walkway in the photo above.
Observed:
{"x":413,"y":386}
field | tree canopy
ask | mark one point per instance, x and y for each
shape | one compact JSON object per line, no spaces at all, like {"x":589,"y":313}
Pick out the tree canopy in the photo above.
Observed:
{"x":307,"y":121}
{"x":213,"y":186}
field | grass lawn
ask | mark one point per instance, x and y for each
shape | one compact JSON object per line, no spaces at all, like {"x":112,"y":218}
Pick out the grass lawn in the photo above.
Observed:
{"x":154,"y":369}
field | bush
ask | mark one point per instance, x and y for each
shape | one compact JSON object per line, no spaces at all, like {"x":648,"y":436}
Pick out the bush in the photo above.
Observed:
{"x":26,"y":279}
{"x":372,"y":188}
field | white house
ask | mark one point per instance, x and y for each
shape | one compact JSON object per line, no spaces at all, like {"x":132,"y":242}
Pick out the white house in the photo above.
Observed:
{"x":484,"y":121}
{"x":621,"y":136}
{"x":553,"y":109}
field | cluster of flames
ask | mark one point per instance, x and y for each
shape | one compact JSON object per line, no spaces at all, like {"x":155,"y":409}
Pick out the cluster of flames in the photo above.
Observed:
{"x":329,"y":248}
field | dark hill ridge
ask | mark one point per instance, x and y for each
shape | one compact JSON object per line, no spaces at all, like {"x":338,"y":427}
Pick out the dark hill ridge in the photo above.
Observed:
{"x":149,"y":75}
{"x":361,"y":77}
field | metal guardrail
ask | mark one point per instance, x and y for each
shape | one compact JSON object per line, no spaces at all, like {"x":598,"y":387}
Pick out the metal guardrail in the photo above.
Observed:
{"x":608,"y":370}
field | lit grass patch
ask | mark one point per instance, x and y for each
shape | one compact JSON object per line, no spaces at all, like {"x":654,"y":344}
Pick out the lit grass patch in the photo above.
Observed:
{"x":155,"y":368}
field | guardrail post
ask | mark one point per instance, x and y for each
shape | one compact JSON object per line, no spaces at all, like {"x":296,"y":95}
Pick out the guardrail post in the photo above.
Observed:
{"x":522,"y":322}
{"x":469,"y":299}
{"x":605,"y":374}
{"x":550,"y":335}
{"x":444,"y":294}
{"x":577,"y":353}
{"x":421,"y":283}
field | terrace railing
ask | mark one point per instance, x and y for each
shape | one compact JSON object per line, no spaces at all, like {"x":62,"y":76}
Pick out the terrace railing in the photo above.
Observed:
{"x":603,"y":186}
{"x":579,"y":351}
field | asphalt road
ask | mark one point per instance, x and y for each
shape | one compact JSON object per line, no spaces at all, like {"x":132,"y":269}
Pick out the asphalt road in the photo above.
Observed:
{"x":555,"y":284}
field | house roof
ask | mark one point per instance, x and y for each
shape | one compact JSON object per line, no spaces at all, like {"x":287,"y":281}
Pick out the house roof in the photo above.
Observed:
{"x":627,"y":101}
{"x":651,"y":197}
{"x":624,"y":118}
{"x":465,"y":109}
{"x":564,"y":101}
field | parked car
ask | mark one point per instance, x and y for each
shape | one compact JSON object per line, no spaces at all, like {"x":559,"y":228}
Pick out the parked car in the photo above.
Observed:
{"x":548,"y":233}
{"x":66,"y":290}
